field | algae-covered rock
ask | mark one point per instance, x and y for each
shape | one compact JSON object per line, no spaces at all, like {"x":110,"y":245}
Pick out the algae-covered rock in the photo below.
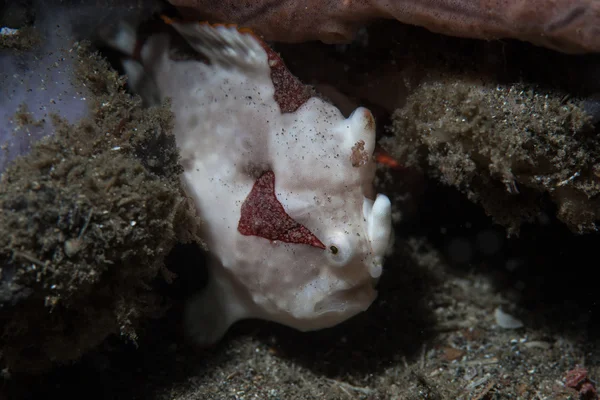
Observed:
{"x":507,"y":147}
{"x":86,"y":220}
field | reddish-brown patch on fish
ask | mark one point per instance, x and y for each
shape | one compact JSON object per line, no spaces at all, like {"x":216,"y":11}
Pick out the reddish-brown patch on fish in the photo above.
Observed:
{"x":263,"y":215}
{"x":290,"y":93}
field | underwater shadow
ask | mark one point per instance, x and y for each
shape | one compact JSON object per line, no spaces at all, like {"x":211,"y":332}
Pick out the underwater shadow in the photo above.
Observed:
{"x":547,"y":270}
{"x":392,"y":330}
{"x":120,"y":369}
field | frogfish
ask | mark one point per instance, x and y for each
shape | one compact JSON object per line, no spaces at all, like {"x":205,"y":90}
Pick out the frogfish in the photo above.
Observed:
{"x":282,"y":181}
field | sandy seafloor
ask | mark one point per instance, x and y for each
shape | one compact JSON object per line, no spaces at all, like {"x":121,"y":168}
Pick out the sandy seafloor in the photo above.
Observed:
{"x":434,"y":331}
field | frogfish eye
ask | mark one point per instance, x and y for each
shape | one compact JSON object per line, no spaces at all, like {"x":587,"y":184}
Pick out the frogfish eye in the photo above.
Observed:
{"x":340,"y":249}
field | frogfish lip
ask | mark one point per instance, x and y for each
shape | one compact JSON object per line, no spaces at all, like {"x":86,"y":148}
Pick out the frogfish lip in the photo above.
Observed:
{"x":346,"y":302}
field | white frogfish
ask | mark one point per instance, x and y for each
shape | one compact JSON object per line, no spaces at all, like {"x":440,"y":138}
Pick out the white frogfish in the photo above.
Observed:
{"x":281,"y":179}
